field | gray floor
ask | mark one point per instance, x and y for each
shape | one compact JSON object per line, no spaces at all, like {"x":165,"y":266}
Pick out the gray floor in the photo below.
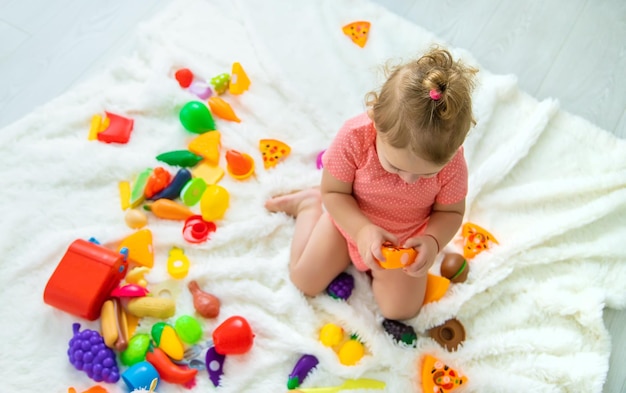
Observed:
{"x":572,"y":50}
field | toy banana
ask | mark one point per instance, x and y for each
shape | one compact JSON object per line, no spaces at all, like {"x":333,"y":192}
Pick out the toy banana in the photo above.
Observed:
{"x":136,"y":276}
{"x":107,"y":323}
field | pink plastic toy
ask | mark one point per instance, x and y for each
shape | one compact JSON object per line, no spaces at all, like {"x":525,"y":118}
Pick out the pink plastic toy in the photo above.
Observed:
{"x":130,"y":290}
{"x":318,"y":161}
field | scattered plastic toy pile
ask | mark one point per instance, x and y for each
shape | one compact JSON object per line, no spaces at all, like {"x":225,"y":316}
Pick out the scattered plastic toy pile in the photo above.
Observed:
{"x":117,"y":292}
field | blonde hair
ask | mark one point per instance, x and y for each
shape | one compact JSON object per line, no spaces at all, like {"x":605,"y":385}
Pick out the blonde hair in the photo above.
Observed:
{"x":425,"y":105}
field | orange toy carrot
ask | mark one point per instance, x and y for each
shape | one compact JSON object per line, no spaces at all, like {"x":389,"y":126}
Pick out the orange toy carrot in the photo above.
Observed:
{"x":169,"y":210}
{"x":221,"y":108}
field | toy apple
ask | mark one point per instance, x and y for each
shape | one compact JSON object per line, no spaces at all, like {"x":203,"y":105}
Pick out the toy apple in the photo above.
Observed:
{"x":233,"y":337}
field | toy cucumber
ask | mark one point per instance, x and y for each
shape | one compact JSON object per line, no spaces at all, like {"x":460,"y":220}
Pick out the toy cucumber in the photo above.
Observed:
{"x":172,"y":191}
{"x":303,"y":367}
{"x":183,"y":158}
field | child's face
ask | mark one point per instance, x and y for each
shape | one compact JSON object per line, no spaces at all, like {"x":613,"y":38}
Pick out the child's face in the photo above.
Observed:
{"x":404,"y":163}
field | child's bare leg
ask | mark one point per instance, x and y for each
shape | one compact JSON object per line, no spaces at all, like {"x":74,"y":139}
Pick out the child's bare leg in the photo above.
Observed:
{"x":306,"y":207}
{"x":398,"y":295}
{"x":318,"y":251}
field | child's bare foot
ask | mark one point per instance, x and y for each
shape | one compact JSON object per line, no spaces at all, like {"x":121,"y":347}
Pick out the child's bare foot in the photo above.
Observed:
{"x":294,"y":203}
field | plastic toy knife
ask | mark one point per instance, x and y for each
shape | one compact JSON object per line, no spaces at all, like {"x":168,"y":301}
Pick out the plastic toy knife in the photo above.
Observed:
{"x":361,"y":383}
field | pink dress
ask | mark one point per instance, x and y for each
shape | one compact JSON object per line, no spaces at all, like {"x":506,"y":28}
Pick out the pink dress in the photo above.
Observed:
{"x":400,"y":208}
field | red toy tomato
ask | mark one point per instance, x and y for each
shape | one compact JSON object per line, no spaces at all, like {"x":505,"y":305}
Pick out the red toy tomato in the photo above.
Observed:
{"x":233,"y":337}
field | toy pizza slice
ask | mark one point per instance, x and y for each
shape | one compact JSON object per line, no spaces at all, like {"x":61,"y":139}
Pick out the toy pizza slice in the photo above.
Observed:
{"x":476,"y":240}
{"x":437,"y":377}
{"x":273,"y":152}
{"x":358,"y":32}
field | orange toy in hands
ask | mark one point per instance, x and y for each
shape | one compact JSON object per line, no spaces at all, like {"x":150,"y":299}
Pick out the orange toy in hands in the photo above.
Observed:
{"x":396,"y":257}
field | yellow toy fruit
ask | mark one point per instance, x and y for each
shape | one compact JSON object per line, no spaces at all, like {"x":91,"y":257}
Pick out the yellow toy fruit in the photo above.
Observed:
{"x":351,"y":352}
{"x":170,"y":343}
{"x":214,"y":202}
{"x":331,"y":334}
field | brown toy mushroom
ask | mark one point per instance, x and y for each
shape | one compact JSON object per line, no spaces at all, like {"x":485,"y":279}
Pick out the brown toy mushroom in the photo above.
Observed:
{"x":454,"y":267}
{"x":449,"y":335}
{"x":205,"y":304}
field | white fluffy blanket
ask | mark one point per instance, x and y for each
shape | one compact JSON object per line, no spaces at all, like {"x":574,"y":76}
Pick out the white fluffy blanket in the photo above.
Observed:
{"x":549,"y":185}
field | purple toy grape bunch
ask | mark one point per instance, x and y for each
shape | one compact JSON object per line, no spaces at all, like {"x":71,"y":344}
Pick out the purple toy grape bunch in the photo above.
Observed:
{"x":341,"y":287}
{"x":400,"y":332}
{"x":88,"y":353}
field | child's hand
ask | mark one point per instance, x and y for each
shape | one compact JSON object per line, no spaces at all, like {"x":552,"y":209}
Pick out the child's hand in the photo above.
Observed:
{"x":427,"y":249}
{"x":369,"y":241}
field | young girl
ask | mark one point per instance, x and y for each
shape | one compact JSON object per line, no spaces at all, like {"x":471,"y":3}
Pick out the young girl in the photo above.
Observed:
{"x":395,"y":173}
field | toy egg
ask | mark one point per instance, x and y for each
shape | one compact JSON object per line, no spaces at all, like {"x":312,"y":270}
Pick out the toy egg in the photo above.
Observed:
{"x":454,"y":267}
{"x":135,"y":219}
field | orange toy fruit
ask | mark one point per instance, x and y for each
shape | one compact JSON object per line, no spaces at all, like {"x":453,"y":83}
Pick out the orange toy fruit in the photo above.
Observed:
{"x":222,"y":109}
{"x":358,"y":32}
{"x":239,"y":165}
{"x":437,"y":377}
{"x":396,"y":257}
{"x":273,"y":151}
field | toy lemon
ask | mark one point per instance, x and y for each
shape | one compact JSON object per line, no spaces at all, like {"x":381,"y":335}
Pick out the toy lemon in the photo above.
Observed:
{"x":396,"y":257}
{"x":214,"y":202}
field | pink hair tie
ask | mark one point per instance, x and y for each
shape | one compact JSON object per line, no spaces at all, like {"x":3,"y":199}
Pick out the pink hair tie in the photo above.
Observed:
{"x":434,"y":94}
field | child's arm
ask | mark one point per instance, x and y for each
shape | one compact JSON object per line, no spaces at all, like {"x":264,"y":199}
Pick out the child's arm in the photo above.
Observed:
{"x":443,"y":224}
{"x":341,"y":205}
